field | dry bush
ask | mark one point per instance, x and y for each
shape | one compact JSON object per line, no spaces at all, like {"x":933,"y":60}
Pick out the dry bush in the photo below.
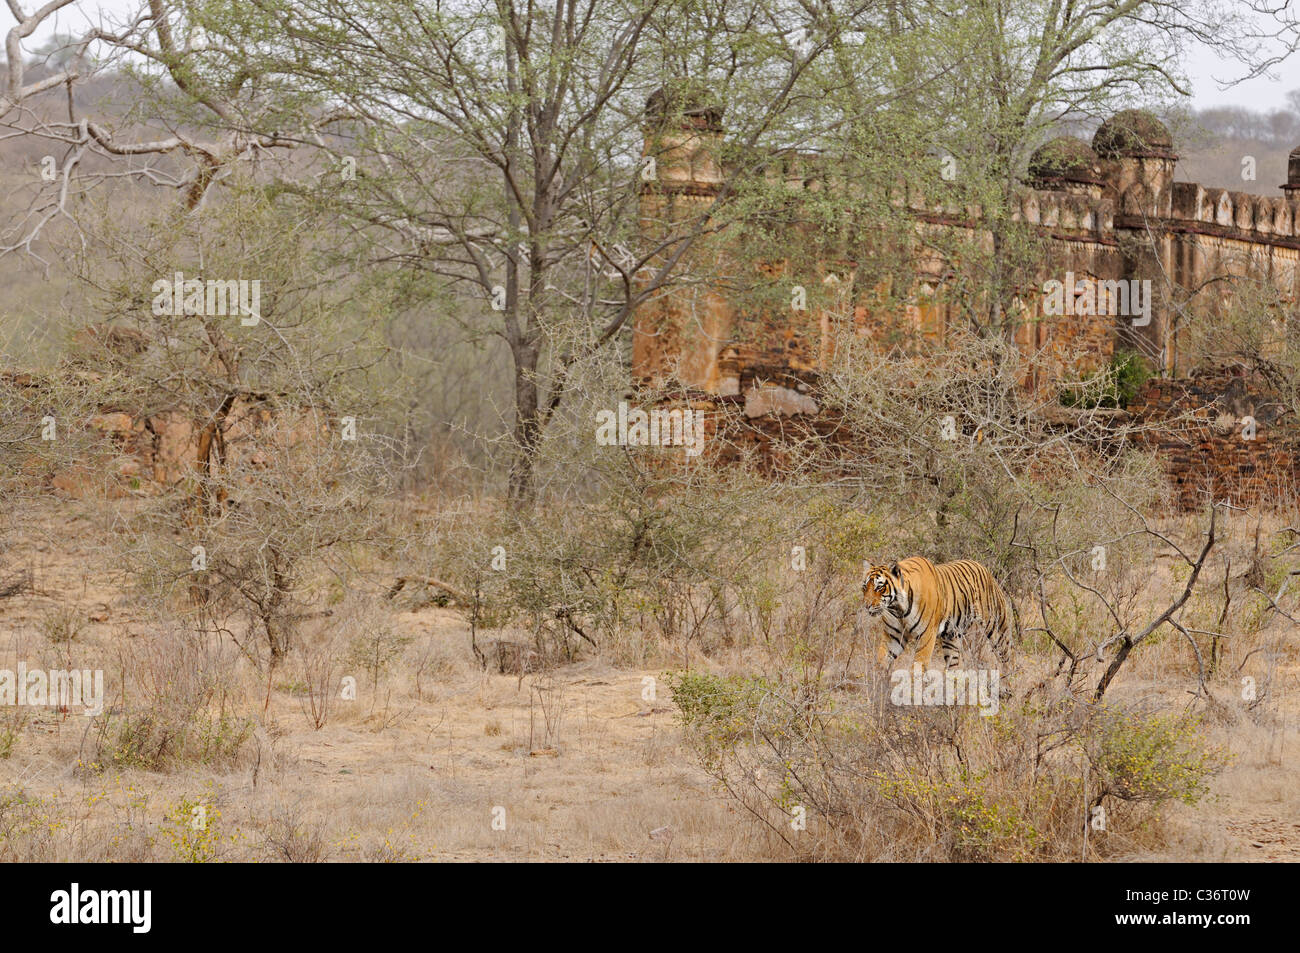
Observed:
{"x":294,"y":839}
{"x":292,"y":511}
{"x":179,"y":705}
{"x":647,"y":562}
{"x":356,"y":643}
{"x":29,"y":827}
{"x":62,"y":625}
{"x":872,"y":781}
{"x":318,"y":682}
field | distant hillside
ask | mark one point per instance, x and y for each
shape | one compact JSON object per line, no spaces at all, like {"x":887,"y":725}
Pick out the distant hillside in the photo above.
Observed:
{"x":1215,"y":143}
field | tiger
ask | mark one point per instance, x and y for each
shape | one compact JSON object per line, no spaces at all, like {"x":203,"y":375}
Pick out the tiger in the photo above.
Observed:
{"x":945,"y":603}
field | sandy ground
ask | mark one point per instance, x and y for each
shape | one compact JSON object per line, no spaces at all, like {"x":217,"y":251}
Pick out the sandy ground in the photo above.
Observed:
{"x":577,"y":765}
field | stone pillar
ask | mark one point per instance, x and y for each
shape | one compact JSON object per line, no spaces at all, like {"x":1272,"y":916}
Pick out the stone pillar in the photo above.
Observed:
{"x":680,"y":176}
{"x":1137,"y":157}
{"x":1292,"y":188}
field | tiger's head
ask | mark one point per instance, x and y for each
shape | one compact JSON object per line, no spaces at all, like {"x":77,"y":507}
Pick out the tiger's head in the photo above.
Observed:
{"x":882,"y":588}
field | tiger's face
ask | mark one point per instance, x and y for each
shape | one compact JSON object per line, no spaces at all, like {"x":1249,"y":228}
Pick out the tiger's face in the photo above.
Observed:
{"x":881,"y":588}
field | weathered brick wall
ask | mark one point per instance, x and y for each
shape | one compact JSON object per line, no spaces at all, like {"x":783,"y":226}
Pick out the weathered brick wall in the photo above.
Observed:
{"x":143,"y":452}
{"x":1108,"y":211}
{"x":1201,"y":427}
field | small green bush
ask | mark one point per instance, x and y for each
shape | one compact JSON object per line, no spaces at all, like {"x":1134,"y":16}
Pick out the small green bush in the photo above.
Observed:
{"x":1113,"y":386}
{"x":1153,"y":758}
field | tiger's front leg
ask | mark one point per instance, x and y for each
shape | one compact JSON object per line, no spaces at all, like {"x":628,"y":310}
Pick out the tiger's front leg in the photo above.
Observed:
{"x":889,"y":648}
{"x":926,"y":647}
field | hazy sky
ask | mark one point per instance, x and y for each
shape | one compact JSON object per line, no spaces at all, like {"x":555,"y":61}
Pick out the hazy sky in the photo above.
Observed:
{"x":1265,"y":93}
{"x":1204,"y":66}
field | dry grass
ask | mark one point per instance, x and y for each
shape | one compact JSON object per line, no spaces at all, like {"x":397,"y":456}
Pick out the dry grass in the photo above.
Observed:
{"x":583,"y":764}
{"x":410,"y":770}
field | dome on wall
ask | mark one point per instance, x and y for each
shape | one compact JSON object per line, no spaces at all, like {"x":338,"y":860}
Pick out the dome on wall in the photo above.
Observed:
{"x":1065,"y":159}
{"x":696,"y":105}
{"x":1133,"y":132}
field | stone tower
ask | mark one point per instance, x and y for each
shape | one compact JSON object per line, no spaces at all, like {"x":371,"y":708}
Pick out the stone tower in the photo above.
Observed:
{"x":1292,"y":188}
{"x":1067,"y":164}
{"x":1137,"y":162}
{"x":677,"y":339}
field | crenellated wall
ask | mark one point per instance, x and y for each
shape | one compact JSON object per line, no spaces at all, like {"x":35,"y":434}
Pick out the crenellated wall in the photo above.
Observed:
{"x":1100,"y":214}
{"x":1109,"y":213}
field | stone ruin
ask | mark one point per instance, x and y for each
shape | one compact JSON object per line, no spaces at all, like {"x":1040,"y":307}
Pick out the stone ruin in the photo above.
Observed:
{"x":148,"y":450}
{"x":1103,"y":212}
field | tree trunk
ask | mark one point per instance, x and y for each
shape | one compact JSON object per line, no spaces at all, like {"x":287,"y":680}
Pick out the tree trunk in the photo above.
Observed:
{"x":523,"y":476}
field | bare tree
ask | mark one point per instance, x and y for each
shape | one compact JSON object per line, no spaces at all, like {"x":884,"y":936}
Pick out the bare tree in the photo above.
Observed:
{"x":497,"y":146}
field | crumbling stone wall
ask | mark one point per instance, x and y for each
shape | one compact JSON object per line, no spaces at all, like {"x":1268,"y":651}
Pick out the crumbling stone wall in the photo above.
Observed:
{"x":1105,"y":211}
{"x":162,"y":449}
{"x":144,"y":452}
{"x":1222,"y":435}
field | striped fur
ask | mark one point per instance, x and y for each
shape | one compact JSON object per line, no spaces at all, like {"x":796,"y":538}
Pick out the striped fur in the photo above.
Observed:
{"x":922,"y":603}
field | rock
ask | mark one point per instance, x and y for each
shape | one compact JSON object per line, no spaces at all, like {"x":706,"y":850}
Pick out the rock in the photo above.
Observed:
{"x":773,"y":399}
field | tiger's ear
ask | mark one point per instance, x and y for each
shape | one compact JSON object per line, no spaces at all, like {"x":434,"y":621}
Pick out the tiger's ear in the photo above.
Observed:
{"x":893,"y":571}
